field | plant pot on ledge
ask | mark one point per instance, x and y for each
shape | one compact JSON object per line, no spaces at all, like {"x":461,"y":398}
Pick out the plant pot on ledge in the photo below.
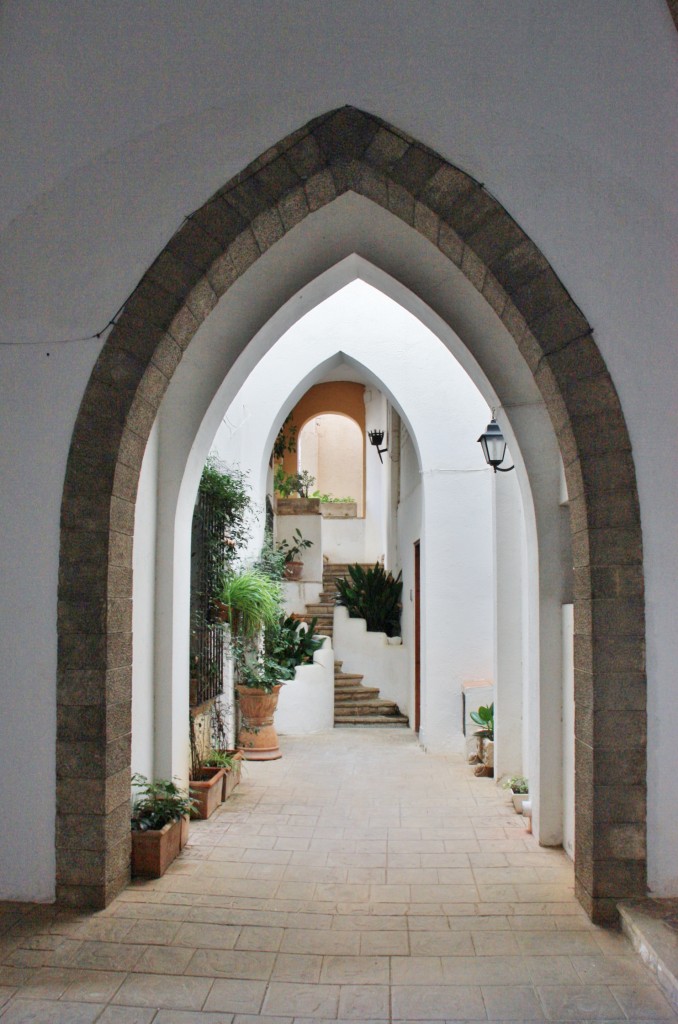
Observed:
{"x":293,"y":570}
{"x":257,"y":737}
{"x":207,"y":792}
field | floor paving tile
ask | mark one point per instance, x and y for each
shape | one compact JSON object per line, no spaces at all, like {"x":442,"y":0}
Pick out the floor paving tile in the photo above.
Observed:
{"x":29,"y":1011}
{"x":437,"y":1002}
{"x":162,"y":990}
{"x":302,"y":1000}
{"x":405,"y":891}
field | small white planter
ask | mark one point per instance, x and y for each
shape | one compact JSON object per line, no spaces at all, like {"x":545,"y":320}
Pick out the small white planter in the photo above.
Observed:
{"x":519,"y":800}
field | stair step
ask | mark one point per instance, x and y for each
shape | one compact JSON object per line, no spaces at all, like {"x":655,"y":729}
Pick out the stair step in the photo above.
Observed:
{"x":347,"y":677}
{"x":358,"y":720}
{"x":367,"y":706}
{"x":355,"y":697}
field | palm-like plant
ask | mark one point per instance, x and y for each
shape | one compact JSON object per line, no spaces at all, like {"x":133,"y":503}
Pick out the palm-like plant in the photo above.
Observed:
{"x":373,"y":595}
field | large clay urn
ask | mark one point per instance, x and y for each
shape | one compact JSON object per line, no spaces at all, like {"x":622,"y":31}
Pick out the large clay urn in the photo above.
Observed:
{"x":257,"y":737}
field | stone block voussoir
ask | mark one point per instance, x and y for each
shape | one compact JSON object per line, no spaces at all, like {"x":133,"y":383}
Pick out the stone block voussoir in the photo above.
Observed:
{"x":268,"y":229}
{"x":373,"y":185}
{"x":220,"y":220}
{"x":426,"y":222}
{"x":172,"y":274}
{"x":244,"y":251}
{"x":153,"y":304}
{"x":473,"y":268}
{"x":415,"y":168}
{"x":194,"y":247}
{"x":305,"y":158}
{"x":401,"y":203}
{"x":345,"y":133}
{"x":320,"y":190}
{"x":293,"y":208}
{"x":202,"y":299}
{"x":385,"y":149}
{"x":182,"y":327}
{"x":445,"y":189}
{"x":518,"y":266}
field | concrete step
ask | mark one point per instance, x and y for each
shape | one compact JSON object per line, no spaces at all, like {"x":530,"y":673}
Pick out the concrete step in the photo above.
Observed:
{"x":652,"y":927}
{"x":355,"y":696}
{"x":347,"y":677}
{"x":337,"y":666}
{"x":373,"y":720}
{"x":321,"y":610}
{"x":367,"y":706}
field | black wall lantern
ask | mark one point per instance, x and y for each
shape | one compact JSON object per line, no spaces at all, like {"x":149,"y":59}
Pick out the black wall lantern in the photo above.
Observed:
{"x":494,"y":446}
{"x":376,"y":437}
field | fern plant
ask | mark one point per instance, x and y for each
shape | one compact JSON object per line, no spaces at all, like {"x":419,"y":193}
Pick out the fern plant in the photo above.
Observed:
{"x":373,"y":595}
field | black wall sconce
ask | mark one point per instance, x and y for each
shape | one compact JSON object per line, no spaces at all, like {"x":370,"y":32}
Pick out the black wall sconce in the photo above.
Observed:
{"x":376,"y":437}
{"x":493,"y":444}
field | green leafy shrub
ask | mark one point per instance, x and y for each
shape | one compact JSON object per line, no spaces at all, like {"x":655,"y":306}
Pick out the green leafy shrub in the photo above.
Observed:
{"x":291,"y":549}
{"x":262,"y":672}
{"x":373,"y":595}
{"x":517,"y":784}
{"x":252,"y":600}
{"x":484,"y":717}
{"x":158,"y":803}
{"x":292,"y":642}
{"x":217,"y":759}
{"x":285,"y":484}
{"x":330,"y":498}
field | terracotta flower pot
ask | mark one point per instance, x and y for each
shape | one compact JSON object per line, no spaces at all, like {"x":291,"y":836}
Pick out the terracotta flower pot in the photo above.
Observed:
{"x":232,"y":775}
{"x":207,"y":791}
{"x":257,"y":737}
{"x":154,"y":850}
{"x":293,"y":570}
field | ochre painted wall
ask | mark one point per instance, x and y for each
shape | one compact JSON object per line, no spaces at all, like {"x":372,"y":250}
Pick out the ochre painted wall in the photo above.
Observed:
{"x":342,"y":397}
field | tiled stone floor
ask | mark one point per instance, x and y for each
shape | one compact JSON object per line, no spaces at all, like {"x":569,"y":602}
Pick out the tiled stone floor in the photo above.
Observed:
{"x":357,"y":879}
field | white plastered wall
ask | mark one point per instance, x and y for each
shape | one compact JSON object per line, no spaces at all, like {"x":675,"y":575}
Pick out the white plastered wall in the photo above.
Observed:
{"x":578,"y":110}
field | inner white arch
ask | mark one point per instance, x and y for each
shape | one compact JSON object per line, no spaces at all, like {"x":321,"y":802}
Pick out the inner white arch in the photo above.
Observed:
{"x":293,"y":277}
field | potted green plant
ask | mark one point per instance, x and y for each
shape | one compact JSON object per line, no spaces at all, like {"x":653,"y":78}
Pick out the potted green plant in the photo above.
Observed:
{"x":206,"y":785}
{"x":159,"y":825}
{"x":221,"y":755}
{"x":292,"y":642}
{"x":291,"y":550}
{"x":230,"y":762}
{"x":292,"y":493}
{"x":260,"y":679}
{"x":484,"y":717}
{"x":250,"y":600}
{"x":519,"y":791}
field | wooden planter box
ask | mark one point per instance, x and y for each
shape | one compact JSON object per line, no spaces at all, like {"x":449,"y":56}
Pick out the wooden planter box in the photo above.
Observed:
{"x":232,"y":775}
{"x":297,"y":506}
{"x":339,"y":509}
{"x":154,"y":850}
{"x":207,"y":791}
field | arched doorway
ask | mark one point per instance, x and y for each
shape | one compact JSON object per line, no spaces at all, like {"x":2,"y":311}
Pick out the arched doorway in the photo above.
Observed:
{"x":219,"y":251}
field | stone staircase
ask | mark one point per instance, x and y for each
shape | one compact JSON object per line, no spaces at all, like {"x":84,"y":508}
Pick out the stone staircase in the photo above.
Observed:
{"x":354,"y":704}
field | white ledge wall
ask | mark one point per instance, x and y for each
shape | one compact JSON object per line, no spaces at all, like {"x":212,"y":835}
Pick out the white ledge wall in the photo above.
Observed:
{"x":306,"y":703}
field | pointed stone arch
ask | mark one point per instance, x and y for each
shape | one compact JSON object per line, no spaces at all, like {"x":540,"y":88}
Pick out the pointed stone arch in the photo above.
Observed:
{"x":347,"y":150}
